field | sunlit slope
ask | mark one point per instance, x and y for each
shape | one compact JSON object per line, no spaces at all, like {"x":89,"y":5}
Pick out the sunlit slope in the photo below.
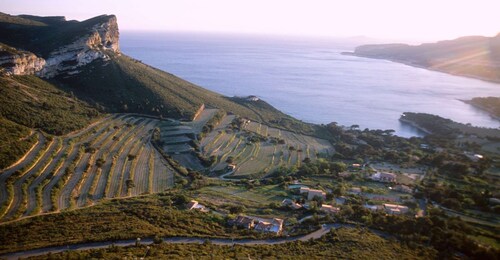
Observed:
{"x":472,"y":56}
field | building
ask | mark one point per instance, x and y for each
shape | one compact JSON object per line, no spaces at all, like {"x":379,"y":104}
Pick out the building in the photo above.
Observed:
{"x":244,"y":222}
{"x":329,"y":209}
{"x":311,"y":193}
{"x":274,"y":226}
{"x":387,"y":177}
{"x":340,"y":200}
{"x":384,"y":177}
{"x":372,"y":207}
{"x":403,"y":188}
{"x":394,"y":209}
{"x":252,"y":98}
{"x":290,"y":203}
{"x":193,"y":204}
{"x":355,"y":190}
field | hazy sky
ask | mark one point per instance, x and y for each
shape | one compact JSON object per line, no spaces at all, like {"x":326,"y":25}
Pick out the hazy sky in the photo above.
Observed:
{"x":383,"y":19}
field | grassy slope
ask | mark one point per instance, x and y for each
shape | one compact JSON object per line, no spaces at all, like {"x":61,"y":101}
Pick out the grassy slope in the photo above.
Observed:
{"x":124,"y":84}
{"x":341,"y":244}
{"x":112,"y":219}
{"x":15,"y":141}
{"x":127,"y":85}
{"x":472,"y":56}
{"x":35,"y":103}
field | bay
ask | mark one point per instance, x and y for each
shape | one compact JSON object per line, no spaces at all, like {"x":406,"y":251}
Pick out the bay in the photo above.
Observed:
{"x":311,"y":80}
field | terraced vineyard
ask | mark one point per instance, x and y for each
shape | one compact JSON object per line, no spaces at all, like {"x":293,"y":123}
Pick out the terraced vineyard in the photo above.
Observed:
{"x":111,"y":158}
{"x":275,"y":148}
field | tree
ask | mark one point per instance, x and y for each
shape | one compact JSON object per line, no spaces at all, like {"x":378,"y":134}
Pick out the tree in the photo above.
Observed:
{"x":337,"y":167}
{"x":130,"y":183}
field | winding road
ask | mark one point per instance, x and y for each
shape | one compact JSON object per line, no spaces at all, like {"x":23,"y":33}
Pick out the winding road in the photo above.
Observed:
{"x":175,"y":240}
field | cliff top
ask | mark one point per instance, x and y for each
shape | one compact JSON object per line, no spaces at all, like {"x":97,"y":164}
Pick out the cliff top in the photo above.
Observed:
{"x":42,"y":35}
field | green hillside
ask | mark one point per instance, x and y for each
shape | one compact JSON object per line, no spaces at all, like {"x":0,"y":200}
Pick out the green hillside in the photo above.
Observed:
{"x":15,"y":140}
{"x":124,"y":84}
{"x":71,"y":101}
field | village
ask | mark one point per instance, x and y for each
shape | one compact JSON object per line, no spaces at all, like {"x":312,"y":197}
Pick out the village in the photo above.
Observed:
{"x":292,"y":203}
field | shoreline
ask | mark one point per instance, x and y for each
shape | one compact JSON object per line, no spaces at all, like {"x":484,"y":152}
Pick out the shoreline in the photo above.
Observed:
{"x":482,"y":108}
{"x":422,"y":67}
{"x":409,"y":122}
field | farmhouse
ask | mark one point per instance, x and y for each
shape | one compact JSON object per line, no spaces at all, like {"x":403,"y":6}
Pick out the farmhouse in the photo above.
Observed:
{"x":290,"y":203}
{"x":384,"y":177}
{"x":340,"y":200}
{"x":275,"y":226}
{"x":244,"y":222}
{"x":311,"y":193}
{"x":372,"y":207}
{"x":193,"y":204}
{"x":355,"y":190}
{"x":252,"y":98}
{"x":329,"y":209}
{"x":402,"y":188}
{"x":394,"y":209}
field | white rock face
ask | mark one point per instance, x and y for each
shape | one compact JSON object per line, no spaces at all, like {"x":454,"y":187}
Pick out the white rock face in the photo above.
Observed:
{"x":102,"y":38}
{"x":21,"y":63}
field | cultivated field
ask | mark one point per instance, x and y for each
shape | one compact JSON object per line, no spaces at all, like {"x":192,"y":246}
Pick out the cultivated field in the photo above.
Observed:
{"x":276,"y":148}
{"x":109,"y":159}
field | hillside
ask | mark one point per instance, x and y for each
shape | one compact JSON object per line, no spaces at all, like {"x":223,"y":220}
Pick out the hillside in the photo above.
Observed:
{"x":57,"y":75}
{"x":84,"y":58}
{"x":472,"y":56}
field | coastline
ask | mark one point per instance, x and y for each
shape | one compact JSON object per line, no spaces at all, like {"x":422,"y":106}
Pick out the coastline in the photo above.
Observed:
{"x":422,"y":67}
{"x":482,"y":108}
{"x":409,"y":122}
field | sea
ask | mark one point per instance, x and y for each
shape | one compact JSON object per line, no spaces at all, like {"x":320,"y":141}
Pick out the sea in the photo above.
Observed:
{"x":311,"y":80}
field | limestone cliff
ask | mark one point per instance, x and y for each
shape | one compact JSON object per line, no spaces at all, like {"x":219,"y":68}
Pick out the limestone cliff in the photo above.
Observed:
{"x":99,"y":39}
{"x":102,"y":37}
{"x":15,"y":62}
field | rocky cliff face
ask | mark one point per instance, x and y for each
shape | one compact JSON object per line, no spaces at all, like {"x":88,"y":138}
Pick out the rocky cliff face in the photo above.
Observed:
{"x":101,"y":40}
{"x":102,"y":37}
{"x":15,"y":62}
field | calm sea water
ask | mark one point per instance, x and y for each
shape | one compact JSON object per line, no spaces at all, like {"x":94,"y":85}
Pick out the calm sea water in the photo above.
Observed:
{"x":310,"y":80}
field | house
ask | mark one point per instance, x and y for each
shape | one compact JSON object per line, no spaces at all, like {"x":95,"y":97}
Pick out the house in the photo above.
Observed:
{"x":329,"y":209}
{"x":403,"y":188}
{"x":252,"y":98}
{"x":355,"y":190}
{"x":384,"y":177}
{"x":290,"y":203}
{"x":394,"y":209}
{"x":340,"y":200}
{"x":274,"y":226}
{"x":244,"y":222}
{"x":494,"y":201}
{"x":193,"y":204}
{"x":372,"y":207}
{"x":311,"y":193}
{"x":387,"y":177}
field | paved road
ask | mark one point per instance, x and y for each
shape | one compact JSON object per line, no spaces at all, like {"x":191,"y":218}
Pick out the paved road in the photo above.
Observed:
{"x":174,"y":240}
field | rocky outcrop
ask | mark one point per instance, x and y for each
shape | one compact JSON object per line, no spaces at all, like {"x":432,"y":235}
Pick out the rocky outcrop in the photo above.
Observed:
{"x":100,"y":41}
{"x":14,"y":62}
{"x":103,"y":38}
